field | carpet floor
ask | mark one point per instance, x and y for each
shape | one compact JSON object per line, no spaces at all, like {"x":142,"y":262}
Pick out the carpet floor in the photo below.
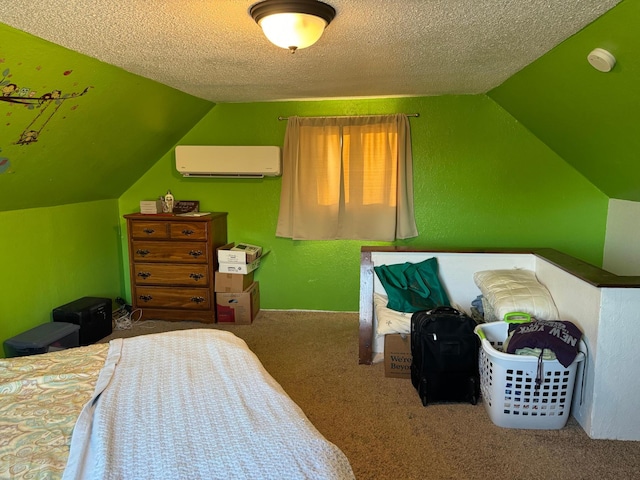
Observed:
{"x":380,"y":423}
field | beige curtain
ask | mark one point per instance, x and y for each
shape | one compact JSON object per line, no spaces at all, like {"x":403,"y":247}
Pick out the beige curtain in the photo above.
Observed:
{"x":347,"y":178}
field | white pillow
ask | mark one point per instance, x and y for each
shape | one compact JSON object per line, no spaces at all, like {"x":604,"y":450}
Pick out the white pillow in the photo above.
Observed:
{"x":390,"y":321}
{"x":516,"y":291}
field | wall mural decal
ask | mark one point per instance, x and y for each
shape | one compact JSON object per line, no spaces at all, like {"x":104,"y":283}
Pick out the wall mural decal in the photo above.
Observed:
{"x":45,"y":107}
{"x":4,"y":163}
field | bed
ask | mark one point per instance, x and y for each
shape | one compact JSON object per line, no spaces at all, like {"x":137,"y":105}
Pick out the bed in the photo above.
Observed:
{"x":187,"y":404}
{"x":603,"y":305}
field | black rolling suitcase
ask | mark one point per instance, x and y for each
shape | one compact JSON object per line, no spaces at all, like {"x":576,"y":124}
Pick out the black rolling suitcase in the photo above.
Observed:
{"x":444,"y":349}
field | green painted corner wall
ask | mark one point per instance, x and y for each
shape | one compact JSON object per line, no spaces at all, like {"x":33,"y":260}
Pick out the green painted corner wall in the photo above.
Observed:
{"x":480,"y":178}
{"x":103,"y":129}
{"x":588,"y":117}
{"x":54,"y":255}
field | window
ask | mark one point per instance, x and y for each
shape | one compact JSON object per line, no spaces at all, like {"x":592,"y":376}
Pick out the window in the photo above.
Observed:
{"x":347,"y":178}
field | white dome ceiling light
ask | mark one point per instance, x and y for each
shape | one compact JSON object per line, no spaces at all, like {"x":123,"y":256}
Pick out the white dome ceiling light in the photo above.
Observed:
{"x":601,"y":60}
{"x":292,"y":24}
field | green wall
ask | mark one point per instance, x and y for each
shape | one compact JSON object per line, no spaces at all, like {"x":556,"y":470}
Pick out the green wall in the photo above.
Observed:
{"x":481,"y":180}
{"x":52,"y":256}
{"x":106,"y":128}
{"x":588,"y":117}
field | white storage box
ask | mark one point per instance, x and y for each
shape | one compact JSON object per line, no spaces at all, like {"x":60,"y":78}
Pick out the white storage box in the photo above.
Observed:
{"x":242,"y":268}
{"x":240,"y":253}
{"x":508,"y":384}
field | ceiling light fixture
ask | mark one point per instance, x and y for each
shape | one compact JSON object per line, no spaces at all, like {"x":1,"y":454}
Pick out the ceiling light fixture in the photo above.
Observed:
{"x":292,"y":24}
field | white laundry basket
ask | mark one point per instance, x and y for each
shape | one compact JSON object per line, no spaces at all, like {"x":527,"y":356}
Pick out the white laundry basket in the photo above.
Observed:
{"x":508,"y":384}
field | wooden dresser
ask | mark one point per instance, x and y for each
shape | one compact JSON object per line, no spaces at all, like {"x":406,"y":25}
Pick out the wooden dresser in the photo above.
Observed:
{"x":172,"y":261}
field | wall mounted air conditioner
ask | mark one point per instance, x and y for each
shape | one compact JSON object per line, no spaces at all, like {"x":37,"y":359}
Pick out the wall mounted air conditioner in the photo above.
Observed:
{"x":228,"y":161}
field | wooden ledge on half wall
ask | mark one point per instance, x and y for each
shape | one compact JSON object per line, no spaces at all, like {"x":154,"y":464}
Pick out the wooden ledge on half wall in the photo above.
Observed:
{"x":585,"y":271}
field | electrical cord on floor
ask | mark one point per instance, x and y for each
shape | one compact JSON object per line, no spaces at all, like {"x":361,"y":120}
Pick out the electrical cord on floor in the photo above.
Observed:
{"x":124,"y":319}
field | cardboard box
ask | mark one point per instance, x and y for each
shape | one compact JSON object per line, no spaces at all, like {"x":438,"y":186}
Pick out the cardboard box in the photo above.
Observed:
{"x":238,"y":308}
{"x":232,"y":282}
{"x":242,"y":268}
{"x":397,"y":356}
{"x":240,"y":253}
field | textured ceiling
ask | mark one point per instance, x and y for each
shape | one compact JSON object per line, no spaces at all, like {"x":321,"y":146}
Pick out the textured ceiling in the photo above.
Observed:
{"x":214,"y":50}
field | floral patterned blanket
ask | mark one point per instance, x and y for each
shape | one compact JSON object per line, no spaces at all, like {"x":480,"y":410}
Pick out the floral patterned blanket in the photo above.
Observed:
{"x":41,"y":397}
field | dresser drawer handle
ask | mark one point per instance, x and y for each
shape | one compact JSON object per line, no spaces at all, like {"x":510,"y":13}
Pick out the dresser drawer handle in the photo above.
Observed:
{"x":188,"y":232}
{"x":142,"y":253}
{"x":145,"y":298}
{"x":197,"y":299}
{"x":144,"y":275}
{"x":195,"y":253}
{"x":148,"y":231}
{"x":196,"y":276}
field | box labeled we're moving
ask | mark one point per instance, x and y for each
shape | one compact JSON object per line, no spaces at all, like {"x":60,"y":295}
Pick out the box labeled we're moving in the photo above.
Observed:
{"x":232,"y":282}
{"x":238,"y":308}
{"x":240,"y":253}
{"x":397,"y":355}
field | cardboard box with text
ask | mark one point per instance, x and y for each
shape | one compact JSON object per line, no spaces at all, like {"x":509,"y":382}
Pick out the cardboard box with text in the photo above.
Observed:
{"x":397,"y":355}
{"x":240,"y":253}
{"x":238,"y":308}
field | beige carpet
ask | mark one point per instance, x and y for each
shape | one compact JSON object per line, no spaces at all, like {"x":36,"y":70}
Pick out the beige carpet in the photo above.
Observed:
{"x":381,"y":425}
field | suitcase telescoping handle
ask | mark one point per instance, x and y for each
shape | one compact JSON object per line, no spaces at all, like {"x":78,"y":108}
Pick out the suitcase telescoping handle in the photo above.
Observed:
{"x":444,"y":309}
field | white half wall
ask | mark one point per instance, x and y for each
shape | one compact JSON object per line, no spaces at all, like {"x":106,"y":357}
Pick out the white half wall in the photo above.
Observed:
{"x":622,"y":239}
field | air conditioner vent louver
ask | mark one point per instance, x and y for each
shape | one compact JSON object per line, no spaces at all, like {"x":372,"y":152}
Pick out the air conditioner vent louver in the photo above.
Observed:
{"x":212,"y":161}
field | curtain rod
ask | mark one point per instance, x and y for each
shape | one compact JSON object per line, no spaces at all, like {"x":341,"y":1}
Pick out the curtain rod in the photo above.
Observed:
{"x":339,"y":116}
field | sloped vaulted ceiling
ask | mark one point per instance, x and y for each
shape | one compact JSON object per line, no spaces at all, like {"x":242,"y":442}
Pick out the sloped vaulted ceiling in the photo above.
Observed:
{"x":111,"y":125}
{"x":590,"y":118}
{"x":75,"y":129}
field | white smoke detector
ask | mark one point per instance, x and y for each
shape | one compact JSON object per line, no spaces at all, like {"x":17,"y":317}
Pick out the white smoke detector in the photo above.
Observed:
{"x":601,"y":60}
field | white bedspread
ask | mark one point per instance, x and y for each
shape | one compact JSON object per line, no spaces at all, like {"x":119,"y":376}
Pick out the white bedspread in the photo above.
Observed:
{"x":195,"y":404}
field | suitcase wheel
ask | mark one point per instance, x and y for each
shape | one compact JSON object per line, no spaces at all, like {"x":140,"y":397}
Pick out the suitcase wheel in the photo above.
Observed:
{"x":473,"y":391}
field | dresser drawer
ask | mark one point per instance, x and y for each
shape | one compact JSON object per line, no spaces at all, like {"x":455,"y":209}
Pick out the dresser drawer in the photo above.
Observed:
{"x":150,"y":230}
{"x":169,"y":297}
{"x":188,"y":231}
{"x":168,"y":274}
{"x":184,"y":252}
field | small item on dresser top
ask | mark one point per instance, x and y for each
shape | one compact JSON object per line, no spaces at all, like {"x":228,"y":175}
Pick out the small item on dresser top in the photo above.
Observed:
{"x":151,"y":206}
{"x":193,"y":214}
{"x":168,"y":202}
{"x":186,"y":206}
